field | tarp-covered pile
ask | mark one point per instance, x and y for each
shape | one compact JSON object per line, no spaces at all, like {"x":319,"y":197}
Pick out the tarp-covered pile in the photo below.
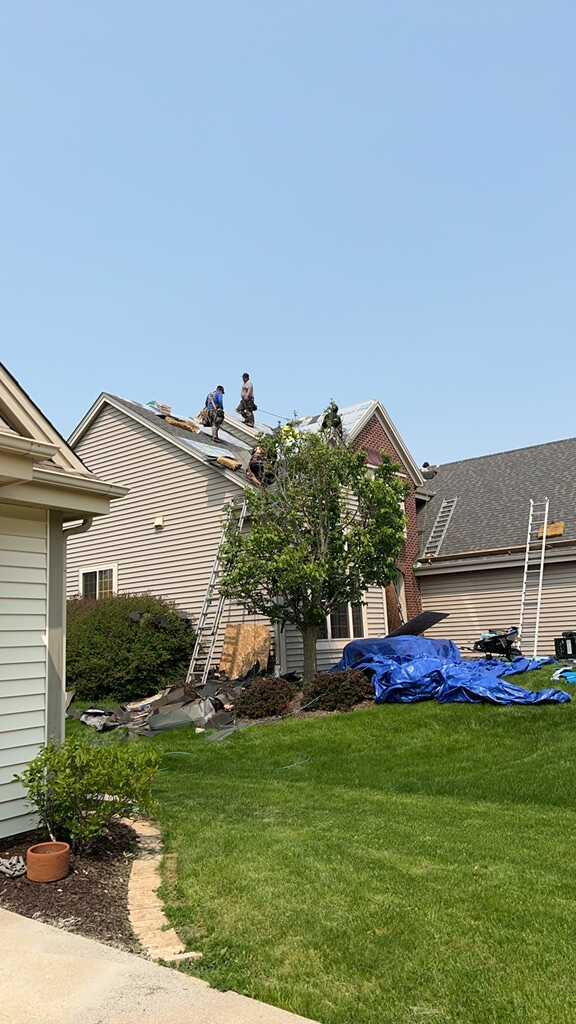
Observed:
{"x":406,"y":669}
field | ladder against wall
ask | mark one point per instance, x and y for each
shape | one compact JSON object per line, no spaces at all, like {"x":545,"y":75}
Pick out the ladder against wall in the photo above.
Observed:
{"x":533,"y":576}
{"x":212,"y":608}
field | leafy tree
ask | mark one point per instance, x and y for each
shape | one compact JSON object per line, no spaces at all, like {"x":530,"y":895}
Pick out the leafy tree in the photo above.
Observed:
{"x":325,"y":530}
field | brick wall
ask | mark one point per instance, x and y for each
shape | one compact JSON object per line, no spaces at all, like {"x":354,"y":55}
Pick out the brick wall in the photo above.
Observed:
{"x":373,"y":439}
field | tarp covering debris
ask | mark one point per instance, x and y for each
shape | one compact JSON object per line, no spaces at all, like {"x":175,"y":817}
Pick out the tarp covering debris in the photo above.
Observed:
{"x":407,"y":669}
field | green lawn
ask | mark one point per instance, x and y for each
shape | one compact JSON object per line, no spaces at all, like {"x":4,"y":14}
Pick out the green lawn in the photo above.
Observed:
{"x":393,"y":866}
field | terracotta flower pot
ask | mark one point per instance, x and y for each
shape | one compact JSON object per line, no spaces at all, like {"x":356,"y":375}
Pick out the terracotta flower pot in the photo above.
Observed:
{"x":47,"y":862}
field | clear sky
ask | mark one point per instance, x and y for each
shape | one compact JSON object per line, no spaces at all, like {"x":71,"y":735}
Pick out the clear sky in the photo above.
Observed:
{"x":350,"y":200}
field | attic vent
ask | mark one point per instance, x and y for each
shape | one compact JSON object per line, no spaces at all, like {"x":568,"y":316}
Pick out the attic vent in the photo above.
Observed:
{"x":438,"y":531}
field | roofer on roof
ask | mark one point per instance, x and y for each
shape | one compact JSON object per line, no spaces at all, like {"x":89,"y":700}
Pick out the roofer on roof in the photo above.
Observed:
{"x":247,"y":406}
{"x":215,"y":410}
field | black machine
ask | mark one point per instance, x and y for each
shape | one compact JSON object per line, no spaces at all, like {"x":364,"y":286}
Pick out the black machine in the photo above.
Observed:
{"x":565,"y":645}
{"x":499,"y":643}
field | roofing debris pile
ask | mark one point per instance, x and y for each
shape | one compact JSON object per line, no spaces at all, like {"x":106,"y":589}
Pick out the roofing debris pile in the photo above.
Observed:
{"x":212,"y":706}
{"x":245,"y":654}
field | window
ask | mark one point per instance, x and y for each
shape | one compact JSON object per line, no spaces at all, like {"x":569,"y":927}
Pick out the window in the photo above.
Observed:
{"x":343,"y":623}
{"x":99,"y":581}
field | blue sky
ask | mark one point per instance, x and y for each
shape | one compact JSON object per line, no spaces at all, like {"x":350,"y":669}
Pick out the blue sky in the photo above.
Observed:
{"x":349,"y":200}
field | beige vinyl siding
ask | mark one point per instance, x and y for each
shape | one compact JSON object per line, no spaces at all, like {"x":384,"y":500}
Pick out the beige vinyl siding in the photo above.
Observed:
{"x":173,"y":562}
{"x":490,"y":599}
{"x":328,"y":652}
{"x":23,"y":624}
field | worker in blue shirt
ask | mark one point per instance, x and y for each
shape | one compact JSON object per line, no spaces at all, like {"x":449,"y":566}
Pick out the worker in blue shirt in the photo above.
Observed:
{"x":215,"y":409}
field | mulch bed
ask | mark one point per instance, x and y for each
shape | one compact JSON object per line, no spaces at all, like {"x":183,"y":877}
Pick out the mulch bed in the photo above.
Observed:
{"x":92,"y":900}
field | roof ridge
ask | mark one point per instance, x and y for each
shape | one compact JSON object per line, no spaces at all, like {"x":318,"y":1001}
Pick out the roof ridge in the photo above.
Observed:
{"x":507,"y":451}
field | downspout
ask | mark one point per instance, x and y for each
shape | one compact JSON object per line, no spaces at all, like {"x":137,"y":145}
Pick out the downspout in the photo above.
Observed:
{"x":83,"y":527}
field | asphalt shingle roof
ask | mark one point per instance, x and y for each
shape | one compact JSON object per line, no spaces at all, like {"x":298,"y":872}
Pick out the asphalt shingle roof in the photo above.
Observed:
{"x":200,"y":443}
{"x":494,"y":492}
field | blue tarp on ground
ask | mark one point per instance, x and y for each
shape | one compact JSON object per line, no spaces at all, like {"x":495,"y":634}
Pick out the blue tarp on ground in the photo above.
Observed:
{"x":406,"y":669}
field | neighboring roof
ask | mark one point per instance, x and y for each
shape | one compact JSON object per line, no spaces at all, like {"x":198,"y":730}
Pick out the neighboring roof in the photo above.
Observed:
{"x":38,"y":466}
{"x":494,"y":492}
{"x":23,"y":417}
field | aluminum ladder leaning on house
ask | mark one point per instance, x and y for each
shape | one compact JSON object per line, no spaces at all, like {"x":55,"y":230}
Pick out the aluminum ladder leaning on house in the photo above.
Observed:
{"x":208,"y":624}
{"x":533,"y":578}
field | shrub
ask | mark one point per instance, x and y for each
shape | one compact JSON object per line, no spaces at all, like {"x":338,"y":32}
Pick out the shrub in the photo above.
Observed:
{"x":265,"y":697}
{"x":77,"y":788}
{"x":126,"y":646}
{"x":338,"y":691}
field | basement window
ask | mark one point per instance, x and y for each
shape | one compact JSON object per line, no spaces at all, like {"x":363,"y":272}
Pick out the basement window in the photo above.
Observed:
{"x":344,"y":623}
{"x":99,"y":581}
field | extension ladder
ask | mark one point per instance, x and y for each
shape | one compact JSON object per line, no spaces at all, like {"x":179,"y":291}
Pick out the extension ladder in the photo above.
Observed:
{"x":533,"y":578}
{"x":212,"y":608}
{"x":438,"y":532}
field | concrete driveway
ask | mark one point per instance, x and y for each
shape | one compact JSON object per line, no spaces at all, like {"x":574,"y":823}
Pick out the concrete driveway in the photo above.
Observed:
{"x":49,"y":976}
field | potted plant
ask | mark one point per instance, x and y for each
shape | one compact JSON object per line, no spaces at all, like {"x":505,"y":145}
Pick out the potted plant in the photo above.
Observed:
{"x":77,"y":789}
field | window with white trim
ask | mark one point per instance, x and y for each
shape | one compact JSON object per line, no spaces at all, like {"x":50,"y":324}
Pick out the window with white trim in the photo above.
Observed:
{"x":344,"y":623}
{"x":99,"y":581}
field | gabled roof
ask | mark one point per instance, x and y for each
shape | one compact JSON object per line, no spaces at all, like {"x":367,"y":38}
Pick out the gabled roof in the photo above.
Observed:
{"x":354,"y":419}
{"x":37,"y":466}
{"x":494,"y":492}
{"x":198,"y":446}
{"x":236,"y":438}
{"x":21,"y":416}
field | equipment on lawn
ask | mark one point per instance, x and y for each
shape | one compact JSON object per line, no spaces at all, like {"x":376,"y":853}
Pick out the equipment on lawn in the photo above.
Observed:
{"x":499,"y":643}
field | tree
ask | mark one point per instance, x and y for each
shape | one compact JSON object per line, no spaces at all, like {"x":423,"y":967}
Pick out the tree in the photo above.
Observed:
{"x":324,"y":531}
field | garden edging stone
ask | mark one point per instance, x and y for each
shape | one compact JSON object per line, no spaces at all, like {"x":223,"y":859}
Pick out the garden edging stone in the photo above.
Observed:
{"x":147,"y":919}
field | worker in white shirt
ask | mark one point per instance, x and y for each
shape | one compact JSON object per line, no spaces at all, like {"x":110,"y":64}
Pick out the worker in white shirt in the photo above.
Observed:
{"x":247,"y":406}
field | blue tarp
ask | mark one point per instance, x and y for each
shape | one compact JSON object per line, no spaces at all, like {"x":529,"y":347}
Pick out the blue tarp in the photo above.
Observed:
{"x":406,"y":669}
{"x":566,"y":675}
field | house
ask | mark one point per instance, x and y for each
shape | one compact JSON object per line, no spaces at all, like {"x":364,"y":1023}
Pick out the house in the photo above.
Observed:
{"x":475,"y":573}
{"x":163,"y":536}
{"x":46,"y":495}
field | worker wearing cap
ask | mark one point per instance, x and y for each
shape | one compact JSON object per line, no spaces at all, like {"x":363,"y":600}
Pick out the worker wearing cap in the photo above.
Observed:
{"x":215,"y":408}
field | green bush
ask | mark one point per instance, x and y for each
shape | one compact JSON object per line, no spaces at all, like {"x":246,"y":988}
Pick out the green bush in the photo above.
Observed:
{"x":125,"y":647}
{"x":265,"y":697}
{"x":77,"y":788}
{"x":338,"y":691}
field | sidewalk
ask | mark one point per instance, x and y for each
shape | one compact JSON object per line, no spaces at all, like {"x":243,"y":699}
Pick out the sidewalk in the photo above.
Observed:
{"x":48,"y":976}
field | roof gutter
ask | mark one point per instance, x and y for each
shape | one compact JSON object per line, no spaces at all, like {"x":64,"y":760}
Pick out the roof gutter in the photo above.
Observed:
{"x":487,"y":552}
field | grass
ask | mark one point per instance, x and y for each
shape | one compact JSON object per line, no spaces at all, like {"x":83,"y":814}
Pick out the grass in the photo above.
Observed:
{"x":400,"y":865}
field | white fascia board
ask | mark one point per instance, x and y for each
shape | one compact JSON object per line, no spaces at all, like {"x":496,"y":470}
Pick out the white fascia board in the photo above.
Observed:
{"x":31,"y":421}
{"x":27,"y":447}
{"x":87,"y":484}
{"x":480,"y":564}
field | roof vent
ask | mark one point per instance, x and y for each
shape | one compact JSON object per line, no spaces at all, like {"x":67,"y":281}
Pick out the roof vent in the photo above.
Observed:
{"x":428,"y":471}
{"x":438,"y":531}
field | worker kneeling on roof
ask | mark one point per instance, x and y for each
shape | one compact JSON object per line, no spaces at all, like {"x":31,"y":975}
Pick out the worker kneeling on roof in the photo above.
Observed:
{"x":215,"y":410}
